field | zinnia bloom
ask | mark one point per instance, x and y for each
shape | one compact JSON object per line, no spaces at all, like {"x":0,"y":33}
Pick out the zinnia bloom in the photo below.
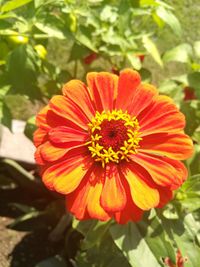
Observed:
{"x":112,"y":147}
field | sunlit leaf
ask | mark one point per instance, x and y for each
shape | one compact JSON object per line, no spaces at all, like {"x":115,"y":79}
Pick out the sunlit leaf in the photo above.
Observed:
{"x":143,"y":244}
{"x":197,"y":48}
{"x":14,"y":4}
{"x":152,"y":49}
{"x":181,"y":53}
{"x":169,"y":18}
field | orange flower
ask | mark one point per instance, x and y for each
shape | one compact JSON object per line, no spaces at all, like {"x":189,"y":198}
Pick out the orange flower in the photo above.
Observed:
{"x":112,"y":147}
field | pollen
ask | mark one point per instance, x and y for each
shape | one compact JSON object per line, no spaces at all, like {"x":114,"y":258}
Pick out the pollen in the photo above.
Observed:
{"x":114,"y":136}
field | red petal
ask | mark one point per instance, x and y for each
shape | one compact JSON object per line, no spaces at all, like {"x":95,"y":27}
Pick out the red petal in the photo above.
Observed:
{"x":164,"y":171}
{"x":103,"y":87}
{"x":77,"y":200}
{"x":67,"y":109}
{"x":128,"y":83}
{"x":143,"y":193}
{"x":141,"y":99}
{"x":64,"y":134}
{"x":165,"y":196}
{"x":65,"y":176}
{"x":174,"y":145}
{"x":161,"y":116}
{"x":78,"y":93}
{"x":113,"y":197}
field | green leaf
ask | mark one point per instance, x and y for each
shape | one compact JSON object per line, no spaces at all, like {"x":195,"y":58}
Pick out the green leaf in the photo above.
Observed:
{"x":56,"y":261}
{"x":185,"y":232}
{"x":194,"y":82}
{"x":84,"y":37}
{"x":28,"y":216}
{"x":14,"y":4}
{"x":52,"y":30}
{"x":170,"y":88}
{"x":134,"y":61}
{"x":152,"y":49}
{"x":105,"y":254}
{"x":197,"y":48}
{"x":169,"y":18}
{"x":23,"y":78}
{"x":193,"y":162}
{"x":143,"y":244}
{"x":5,"y":115}
{"x":192,"y":115}
{"x":145,"y":75}
{"x":181,"y":53}
{"x":93,"y":234}
{"x":30,"y":127}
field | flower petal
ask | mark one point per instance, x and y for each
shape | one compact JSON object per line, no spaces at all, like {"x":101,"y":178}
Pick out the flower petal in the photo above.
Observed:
{"x":128,"y":83}
{"x":78,"y":93}
{"x":64,"y":134}
{"x":77,"y":201}
{"x":161,"y":116}
{"x":41,"y":118}
{"x":141,"y":99}
{"x":103,"y":87}
{"x":173,"y":145}
{"x":143,"y":193}
{"x":165,"y":196}
{"x":39,"y":136}
{"x":94,"y":208}
{"x":164,"y":171}
{"x":38,"y":157}
{"x":130,"y":212}
{"x":65,"y":176}
{"x":113,"y":197}
{"x":50,"y":152}
{"x":67,"y":109}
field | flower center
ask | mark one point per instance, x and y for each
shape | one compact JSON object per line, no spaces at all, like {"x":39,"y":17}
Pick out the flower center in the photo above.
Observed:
{"x":114,"y":136}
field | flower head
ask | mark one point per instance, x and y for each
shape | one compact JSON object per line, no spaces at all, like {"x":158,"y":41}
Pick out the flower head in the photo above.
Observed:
{"x":112,"y":147}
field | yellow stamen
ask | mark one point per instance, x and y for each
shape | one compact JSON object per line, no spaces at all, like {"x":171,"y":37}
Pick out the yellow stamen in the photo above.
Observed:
{"x":130,"y":145}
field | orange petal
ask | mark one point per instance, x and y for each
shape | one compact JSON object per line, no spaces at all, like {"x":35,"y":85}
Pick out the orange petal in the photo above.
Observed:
{"x":103,"y":88}
{"x":128,"y":83}
{"x":78,"y":93}
{"x":41,"y":118}
{"x":130,"y":212}
{"x":144,"y":195}
{"x":64,"y":134}
{"x":161,"y":116}
{"x":39,"y":136}
{"x":67,"y":109}
{"x":77,"y":201}
{"x":50,"y":152}
{"x":65,"y":176}
{"x":38,"y":158}
{"x":177,"y":146}
{"x":141,"y":99}
{"x":113,"y":197}
{"x":94,"y":208}
{"x":164,"y":171}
